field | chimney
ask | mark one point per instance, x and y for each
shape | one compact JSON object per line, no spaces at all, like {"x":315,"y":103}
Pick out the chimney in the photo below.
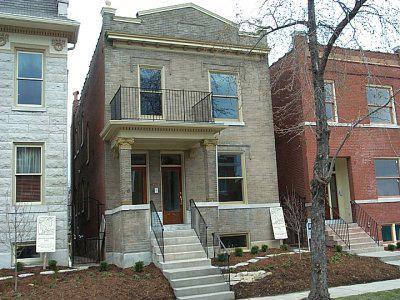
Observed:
{"x":108,"y":9}
{"x":299,"y":39}
{"x":63,"y":8}
{"x":75,"y":104}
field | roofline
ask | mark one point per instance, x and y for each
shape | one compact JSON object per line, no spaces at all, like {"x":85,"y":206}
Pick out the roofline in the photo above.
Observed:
{"x":186,"y":5}
{"x":67,"y":25}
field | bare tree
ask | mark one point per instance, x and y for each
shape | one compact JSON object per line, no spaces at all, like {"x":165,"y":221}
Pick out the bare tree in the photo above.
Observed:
{"x":326,"y":23}
{"x":294,"y":210}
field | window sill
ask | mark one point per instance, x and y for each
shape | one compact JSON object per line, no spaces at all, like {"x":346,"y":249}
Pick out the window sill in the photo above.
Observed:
{"x":29,"y":108}
{"x":231,"y":123}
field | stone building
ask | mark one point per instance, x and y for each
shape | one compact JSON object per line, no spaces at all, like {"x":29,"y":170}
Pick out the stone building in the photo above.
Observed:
{"x":34,"y":38}
{"x":176,"y":106}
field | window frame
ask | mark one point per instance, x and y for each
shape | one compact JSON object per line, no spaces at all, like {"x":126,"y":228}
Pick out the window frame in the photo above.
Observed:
{"x":238,"y":92}
{"x":17,"y":78}
{"x":247,"y":235}
{"x":163,"y":104}
{"x":243,"y":177}
{"x":334,"y":102}
{"x":42,"y":173}
{"x":27,"y":261}
{"x":376,"y":178}
{"x":147,"y":166}
{"x":392,"y":104}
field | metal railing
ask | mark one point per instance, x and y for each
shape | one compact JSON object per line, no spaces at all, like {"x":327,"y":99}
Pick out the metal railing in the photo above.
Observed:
{"x":365,"y":221}
{"x":157,"y":228}
{"x":220,"y":251}
{"x":339,"y":226}
{"x":199,"y":225}
{"x":162,"y":104}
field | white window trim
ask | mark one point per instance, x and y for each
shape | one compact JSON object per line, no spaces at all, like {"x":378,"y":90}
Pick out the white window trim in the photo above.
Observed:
{"x":335,"y":110}
{"x":376,"y":178}
{"x":42,"y":173}
{"x":392,"y":107}
{"x":239,"y":120}
{"x":244,"y":178}
{"x":29,"y":106}
{"x":27,"y":261}
{"x":163,"y":104}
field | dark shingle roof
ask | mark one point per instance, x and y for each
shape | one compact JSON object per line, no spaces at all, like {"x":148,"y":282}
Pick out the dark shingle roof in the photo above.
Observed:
{"x":37,"y":8}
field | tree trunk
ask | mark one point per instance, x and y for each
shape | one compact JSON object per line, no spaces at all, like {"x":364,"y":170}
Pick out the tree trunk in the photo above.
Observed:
{"x":319,"y":276}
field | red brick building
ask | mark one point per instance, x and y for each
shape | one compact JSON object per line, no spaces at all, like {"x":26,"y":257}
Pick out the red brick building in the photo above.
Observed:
{"x":367,"y":172}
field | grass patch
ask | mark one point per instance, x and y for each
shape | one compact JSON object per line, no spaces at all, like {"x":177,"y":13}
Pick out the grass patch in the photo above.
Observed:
{"x":386,"y":295}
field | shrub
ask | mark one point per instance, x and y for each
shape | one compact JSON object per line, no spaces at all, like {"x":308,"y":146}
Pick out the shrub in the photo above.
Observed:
{"x":391,"y":247}
{"x":398,"y":245}
{"x":264,"y":248}
{"x":103,"y":266}
{"x":222,"y":257}
{"x":254,"y":250}
{"x":139,"y":266}
{"x":19,"y":266}
{"x":53,"y":264}
{"x":238,"y":252}
{"x":336,"y":257}
{"x":285,"y":247}
{"x":338,"y":248}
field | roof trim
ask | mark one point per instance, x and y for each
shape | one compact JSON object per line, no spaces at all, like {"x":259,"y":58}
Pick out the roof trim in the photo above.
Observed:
{"x":187,"y":5}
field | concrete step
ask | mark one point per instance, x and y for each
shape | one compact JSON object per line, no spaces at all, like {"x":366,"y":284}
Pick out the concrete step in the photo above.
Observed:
{"x":366,"y":250}
{"x":212,"y":296}
{"x":191,"y":272}
{"x":181,"y":240}
{"x":186,"y":263}
{"x":201,"y":289}
{"x":181,"y":255}
{"x":355,"y":240}
{"x":179,"y":233}
{"x":182,"y":248}
{"x":199,"y":280}
{"x":356,"y":246}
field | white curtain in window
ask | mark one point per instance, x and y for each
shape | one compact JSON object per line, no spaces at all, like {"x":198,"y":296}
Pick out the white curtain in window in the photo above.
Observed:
{"x":28,"y":160}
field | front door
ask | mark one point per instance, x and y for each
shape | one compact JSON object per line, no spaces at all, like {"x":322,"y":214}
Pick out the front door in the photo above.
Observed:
{"x":172,"y":195}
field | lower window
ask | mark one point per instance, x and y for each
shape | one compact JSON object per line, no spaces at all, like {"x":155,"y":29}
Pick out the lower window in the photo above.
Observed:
{"x":26,"y":253}
{"x":387,"y":233}
{"x":235,"y":241}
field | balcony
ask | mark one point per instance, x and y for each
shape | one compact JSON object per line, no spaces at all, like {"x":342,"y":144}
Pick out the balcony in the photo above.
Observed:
{"x":132,"y":103}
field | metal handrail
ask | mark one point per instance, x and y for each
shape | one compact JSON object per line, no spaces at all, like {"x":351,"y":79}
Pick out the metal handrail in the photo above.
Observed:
{"x":218,"y":243}
{"x":157,"y":228}
{"x":365,"y":221}
{"x":339,"y":226}
{"x":199,"y":225}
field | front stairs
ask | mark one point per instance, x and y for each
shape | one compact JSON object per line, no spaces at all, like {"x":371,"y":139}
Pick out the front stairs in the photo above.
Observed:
{"x":187,"y":267}
{"x":360,"y":241}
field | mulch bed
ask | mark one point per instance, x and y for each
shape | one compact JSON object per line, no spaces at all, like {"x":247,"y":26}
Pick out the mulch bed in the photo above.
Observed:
{"x":290,"y":274}
{"x":115,"y":283}
{"x":233,"y":260}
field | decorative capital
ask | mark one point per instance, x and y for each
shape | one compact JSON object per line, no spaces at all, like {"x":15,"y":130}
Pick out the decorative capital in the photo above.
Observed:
{"x":209,"y":144}
{"x":123,"y":143}
{"x":58,"y":44}
{"x":3,"y":38}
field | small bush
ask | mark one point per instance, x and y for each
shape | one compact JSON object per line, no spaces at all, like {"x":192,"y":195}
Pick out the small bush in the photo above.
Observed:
{"x":285,"y":247}
{"x":336,"y":257}
{"x":139,"y":265}
{"x":398,"y":245}
{"x":338,"y":248}
{"x":391,"y":247}
{"x":103,"y":266}
{"x":254,"y":250}
{"x":264,"y":248}
{"x":53,"y":264}
{"x":238,"y":252}
{"x":222,"y":257}
{"x":20,"y":266}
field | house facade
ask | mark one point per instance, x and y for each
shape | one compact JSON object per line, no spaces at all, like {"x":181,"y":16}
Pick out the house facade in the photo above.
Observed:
{"x":365,"y":184}
{"x":176,"y":107}
{"x":34,"y":38}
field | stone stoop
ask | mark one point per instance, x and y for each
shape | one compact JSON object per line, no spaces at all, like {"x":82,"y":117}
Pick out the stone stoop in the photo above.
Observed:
{"x":360,"y":241}
{"x":187,"y":267}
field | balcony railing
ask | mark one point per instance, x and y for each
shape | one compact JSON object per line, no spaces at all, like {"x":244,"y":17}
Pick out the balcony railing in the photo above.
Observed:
{"x":132,"y":103}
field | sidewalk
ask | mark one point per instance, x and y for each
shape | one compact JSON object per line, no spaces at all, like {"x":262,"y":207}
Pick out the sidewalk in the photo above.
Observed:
{"x":343,"y":291}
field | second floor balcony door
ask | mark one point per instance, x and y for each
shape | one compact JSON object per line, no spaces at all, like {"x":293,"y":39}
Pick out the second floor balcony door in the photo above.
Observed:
{"x":151,"y":94}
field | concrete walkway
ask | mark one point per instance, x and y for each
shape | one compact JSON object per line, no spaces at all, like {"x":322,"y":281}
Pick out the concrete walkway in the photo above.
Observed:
{"x":343,"y":291}
{"x":389,"y":257}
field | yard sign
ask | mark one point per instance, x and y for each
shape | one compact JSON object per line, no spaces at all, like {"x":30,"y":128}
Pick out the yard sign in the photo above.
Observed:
{"x":278,"y":223}
{"x":46,"y":234}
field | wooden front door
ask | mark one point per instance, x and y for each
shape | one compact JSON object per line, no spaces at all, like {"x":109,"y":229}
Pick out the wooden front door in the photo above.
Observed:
{"x":172,"y":195}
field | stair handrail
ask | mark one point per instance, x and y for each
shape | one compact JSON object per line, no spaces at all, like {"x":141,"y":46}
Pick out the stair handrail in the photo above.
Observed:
{"x":365,"y":221}
{"x":217,"y":242}
{"x":339,"y":226}
{"x":157,"y":228}
{"x":200,"y":227}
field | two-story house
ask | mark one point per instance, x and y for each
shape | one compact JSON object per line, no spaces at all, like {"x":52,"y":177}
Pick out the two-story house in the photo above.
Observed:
{"x":34,"y":38}
{"x":365,"y":186}
{"x":176,"y":107}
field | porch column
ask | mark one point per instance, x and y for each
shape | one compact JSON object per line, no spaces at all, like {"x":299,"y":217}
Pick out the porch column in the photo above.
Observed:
{"x":210,"y":169}
{"x":394,"y":233}
{"x":124,"y":148}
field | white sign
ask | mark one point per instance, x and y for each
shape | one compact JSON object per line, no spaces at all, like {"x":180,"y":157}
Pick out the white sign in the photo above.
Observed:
{"x":45,"y":234}
{"x":278,"y":223}
{"x":308,"y":229}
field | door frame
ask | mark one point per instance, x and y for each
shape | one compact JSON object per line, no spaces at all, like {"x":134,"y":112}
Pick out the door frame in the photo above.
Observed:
{"x":183,"y":181}
{"x":146,"y":153}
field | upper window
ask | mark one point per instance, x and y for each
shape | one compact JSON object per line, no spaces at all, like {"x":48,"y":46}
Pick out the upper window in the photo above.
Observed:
{"x":387,"y":177}
{"x":330,"y":102}
{"x":30,"y":78}
{"x":224,"y":96}
{"x":378,"y":97}
{"x":230,"y":178}
{"x":28,"y":174}
{"x":150,"y":92}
